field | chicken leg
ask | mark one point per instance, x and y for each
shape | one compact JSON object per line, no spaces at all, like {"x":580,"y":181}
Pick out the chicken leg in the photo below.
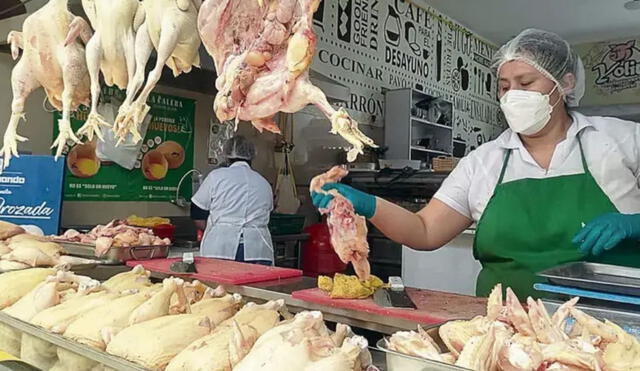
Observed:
{"x":23,"y":82}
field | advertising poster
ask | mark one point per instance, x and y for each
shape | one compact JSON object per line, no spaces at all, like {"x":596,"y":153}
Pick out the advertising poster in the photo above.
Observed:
{"x":156,"y":164}
{"x":31,"y":193}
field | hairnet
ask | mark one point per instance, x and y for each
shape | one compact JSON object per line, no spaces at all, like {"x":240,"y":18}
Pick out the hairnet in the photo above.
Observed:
{"x":551,"y":55}
{"x":239,"y":148}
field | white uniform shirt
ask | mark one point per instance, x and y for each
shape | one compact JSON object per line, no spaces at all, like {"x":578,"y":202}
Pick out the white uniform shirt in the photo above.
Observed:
{"x":239,"y":201}
{"x":612,"y":151}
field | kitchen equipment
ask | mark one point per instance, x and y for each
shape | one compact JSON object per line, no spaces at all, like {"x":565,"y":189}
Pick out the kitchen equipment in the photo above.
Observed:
{"x":165,"y":231}
{"x":593,"y":276}
{"x":399,"y":164}
{"x":394,"y":296}
{"x":361,"y":166}
{"x":587,"y":294}
{"x":222,"y":271}
{"x":116,"y":255}
{"x":187,"y":265}
{"x":433,"y":307}
{"x":401,"y":362}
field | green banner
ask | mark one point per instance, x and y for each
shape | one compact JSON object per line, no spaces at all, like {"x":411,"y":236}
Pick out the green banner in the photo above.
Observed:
{"x":162,"y":159}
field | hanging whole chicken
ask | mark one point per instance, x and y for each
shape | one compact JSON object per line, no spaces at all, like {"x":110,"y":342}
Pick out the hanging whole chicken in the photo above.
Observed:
{"x":111,"y":50}
{"x":170,"y":27}
{"x":48,"y":63}
{"x":262,"y":52}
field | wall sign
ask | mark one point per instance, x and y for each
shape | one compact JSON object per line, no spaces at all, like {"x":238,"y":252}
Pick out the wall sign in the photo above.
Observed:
{"x":31,"y":192}
{"x":371,"y":45}
{"x":165,"y":155}
{"x":612,"y":72}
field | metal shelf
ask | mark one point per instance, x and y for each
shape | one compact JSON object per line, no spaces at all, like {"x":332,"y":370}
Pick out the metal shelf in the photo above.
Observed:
{"x":426,"y":122}
{"x":421,"y":149}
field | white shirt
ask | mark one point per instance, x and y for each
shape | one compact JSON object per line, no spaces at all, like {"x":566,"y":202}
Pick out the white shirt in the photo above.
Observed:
{"x":239,"y":201}
{"x":612,"y":151}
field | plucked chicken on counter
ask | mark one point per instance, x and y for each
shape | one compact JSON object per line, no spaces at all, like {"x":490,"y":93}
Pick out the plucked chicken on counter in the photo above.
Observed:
{"x":512,"y":338}
{"x":20,"y":250}
{"x":173,"y":325}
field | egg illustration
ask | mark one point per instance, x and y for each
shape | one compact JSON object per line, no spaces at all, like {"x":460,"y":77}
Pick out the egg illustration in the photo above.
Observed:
{"x":173,"y":152}
{"x":154,"y":165}
{"x":82,"y":160}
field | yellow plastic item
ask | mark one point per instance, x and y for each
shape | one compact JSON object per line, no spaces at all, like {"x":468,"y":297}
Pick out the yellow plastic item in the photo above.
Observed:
{"x":6,"y":356}
{"x":149,"y":222}
{"x":349,"y":287}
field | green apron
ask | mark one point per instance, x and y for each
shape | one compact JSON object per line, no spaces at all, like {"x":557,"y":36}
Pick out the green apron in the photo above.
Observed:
{"x":528,"y":225}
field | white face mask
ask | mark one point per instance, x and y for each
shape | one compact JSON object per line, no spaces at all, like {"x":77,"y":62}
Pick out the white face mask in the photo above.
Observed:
{"x":527,"y":112}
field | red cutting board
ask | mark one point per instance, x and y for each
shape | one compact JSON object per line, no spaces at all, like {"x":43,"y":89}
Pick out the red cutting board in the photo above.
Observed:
{"x":222,"y":271}
{"x":434,"y":307}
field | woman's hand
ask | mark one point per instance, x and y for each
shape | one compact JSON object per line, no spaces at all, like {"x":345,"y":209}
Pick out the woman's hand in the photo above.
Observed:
{"x":607,"y":231}
{"x":363,"y":203}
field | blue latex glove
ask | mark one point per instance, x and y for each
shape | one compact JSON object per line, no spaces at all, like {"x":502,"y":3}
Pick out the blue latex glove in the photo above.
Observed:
{"x":607,"y":231}
{"x":363,"y":203}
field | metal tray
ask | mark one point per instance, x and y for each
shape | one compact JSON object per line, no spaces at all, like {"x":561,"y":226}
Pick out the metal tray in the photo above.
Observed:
{"x":593,"y":276}
{"x":117,"y":255}
{"x":401,"y":362}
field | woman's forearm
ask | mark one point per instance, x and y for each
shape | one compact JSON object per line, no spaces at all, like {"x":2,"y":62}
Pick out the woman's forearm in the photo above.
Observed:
{"x":417,"y":230}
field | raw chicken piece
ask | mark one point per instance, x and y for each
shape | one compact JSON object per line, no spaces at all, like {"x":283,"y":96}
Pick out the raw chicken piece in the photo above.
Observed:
{"x":86,"y":329}
{"x":4,"y":248}
{"x":152,"y":344}
{"x":347,"y":229}
{"x":27,"y":237}
{"x":32,"y":256}
{"x":48,"y":63}
{"x":111,"y":50}
{"x":262,"y":52}
{"x":229,"y":342}
{"x":301,"y":344}
{"x":418,"y":344}
{"x":41,"y":353}
{"x":567,"y":354}
{"x":517,"y":316}
{"x":218,"y":309}
{"x":477,"y":353}
{"x":103,"y":244}
{"x":546,"y":331}
{"x":43,"y":296}
{"x":15,"y":285}
{"x":9,"y":230}
{"x":520,"y":353}
{"x":52,"y":249}
{"x":136,"y":278}
{"x":169,"y":27}
{"x":10,"y":265}
{"x":159,"y":304}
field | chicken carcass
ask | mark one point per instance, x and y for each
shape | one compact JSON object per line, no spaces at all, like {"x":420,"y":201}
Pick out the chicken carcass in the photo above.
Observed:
{"x":413,"y":343}
{"x":111,"y":50}
{"x":136,"y":278}
{"x":10,"y":230}
{"x":15,"y":285}
{"x":262,"y":52}
{"x":43,"y":296}
{"x":229,"y":342}
{"x":154,"y":343}
{"x":170,"y":27}
{"x":48,"y":63}
{"x":303,"y":344}
{"x":347,"y":229}
{"x":218,"y":309}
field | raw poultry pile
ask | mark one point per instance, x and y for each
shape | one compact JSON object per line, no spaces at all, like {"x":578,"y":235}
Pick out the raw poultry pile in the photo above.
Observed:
{"x":20,"y":250}
{"x":262,"y":51}
{"x":348,"y":230}
{"x":512,"y":338}
{"x":117,"y":233}
{"x":173,"y":325}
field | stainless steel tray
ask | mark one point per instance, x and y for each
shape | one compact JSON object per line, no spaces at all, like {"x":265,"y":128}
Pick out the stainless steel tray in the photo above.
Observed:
{"x":117,"y":255}
{"x":593,"y":276}
{"x":401,"y":362}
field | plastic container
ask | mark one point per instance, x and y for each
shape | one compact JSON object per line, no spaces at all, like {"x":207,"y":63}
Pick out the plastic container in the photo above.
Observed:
{"x":281,"y":224}
{"x":318,"y":256}
{"x":165,"y":231}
